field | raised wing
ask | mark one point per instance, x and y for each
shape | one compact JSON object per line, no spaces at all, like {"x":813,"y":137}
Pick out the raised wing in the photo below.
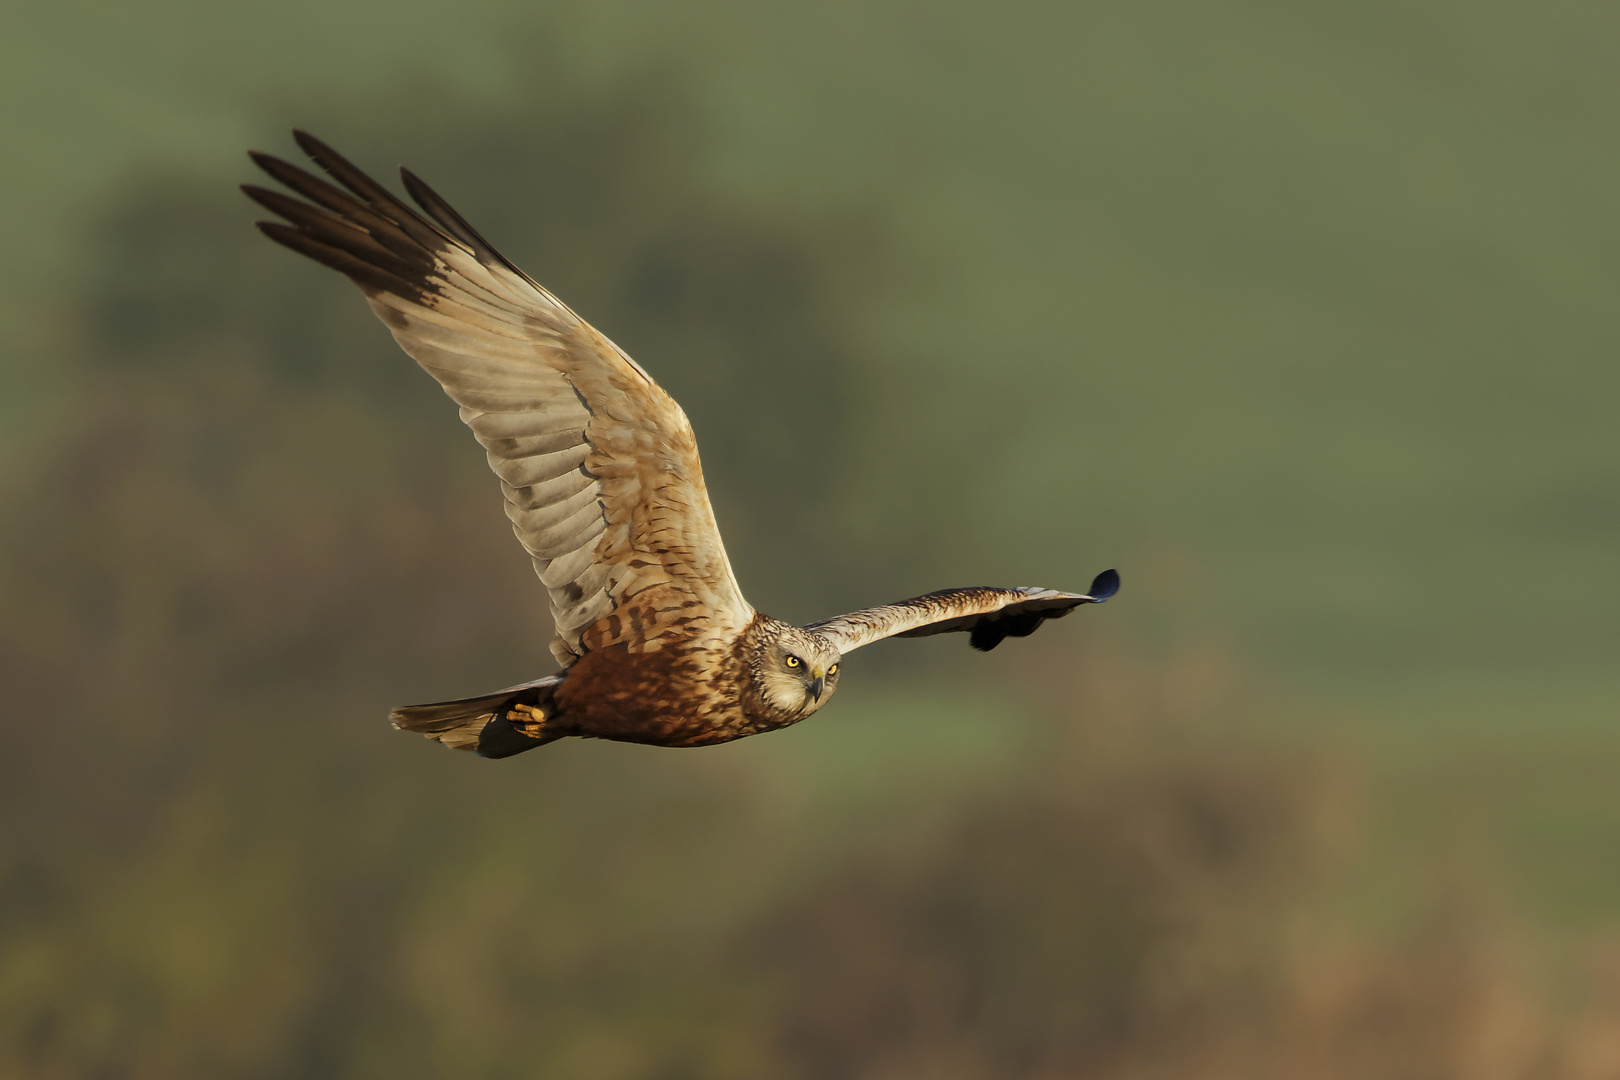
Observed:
{"x":598,"y":464}
{"x":987,"y":615}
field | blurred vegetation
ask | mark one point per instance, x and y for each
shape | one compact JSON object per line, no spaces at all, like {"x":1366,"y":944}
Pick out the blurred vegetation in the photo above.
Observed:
{"x":1324,"y":363}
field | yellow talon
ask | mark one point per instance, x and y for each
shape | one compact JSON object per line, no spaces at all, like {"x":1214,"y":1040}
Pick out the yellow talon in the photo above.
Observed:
{"x":527,"y":719}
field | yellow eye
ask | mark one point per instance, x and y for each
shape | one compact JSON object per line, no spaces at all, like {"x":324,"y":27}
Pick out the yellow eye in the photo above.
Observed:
{"x":833,"y":670}
{"x":793,"y":661}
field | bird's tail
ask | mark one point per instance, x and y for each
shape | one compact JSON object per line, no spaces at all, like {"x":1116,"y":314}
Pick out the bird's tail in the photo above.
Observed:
{"x":496,"y":725}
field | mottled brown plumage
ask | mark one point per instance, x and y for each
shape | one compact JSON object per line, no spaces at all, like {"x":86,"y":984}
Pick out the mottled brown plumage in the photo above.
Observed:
{"x":600,"y":472}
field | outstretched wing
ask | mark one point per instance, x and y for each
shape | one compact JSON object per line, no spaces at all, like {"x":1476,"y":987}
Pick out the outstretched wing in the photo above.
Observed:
{"x":598,"y":464}
{"x":987,"y":615}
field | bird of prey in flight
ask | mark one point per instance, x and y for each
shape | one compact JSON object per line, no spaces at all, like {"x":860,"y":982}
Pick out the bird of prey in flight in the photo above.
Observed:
{"x":600,"y":472}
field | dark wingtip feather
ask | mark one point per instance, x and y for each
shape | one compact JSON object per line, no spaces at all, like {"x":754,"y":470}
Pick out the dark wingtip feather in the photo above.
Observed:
{"x":342,"y":169}
{"x":282,"y":205}
{"x":441,"y":211}
{"x":1104,"y":585}
{"x":369,"y":277}
{"x":454,"y":224}
{"x":316,"y":149}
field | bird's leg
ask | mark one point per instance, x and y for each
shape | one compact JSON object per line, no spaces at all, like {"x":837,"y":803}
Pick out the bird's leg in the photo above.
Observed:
{"x":527,"y":719}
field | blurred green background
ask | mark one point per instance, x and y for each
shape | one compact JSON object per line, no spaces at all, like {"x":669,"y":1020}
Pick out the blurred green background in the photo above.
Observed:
{"x":1302,"y":315}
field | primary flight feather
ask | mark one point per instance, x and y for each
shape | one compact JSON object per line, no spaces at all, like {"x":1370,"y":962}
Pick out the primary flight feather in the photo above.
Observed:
{"x":600,"y":472}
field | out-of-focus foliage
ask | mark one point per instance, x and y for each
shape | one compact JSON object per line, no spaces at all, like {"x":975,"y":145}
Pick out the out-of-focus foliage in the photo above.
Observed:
{"x":1151,"y":903}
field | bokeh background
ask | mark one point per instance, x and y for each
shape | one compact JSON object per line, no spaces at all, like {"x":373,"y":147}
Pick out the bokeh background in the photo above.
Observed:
{"x":1302,"y":315}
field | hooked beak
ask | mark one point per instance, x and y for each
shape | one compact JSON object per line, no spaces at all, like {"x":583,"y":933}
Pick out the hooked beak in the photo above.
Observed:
{"x":817,"y":685}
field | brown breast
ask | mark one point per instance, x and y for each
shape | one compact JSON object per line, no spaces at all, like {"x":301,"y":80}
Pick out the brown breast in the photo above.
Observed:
{"x":682,"y":686}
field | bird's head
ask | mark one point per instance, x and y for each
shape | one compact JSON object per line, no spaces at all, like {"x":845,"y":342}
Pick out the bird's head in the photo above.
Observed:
{"x":794,"y":672}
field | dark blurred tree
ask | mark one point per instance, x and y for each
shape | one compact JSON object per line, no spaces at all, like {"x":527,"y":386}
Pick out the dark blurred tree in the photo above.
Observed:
{"x":1146,"y":903}
{"x":1117,"y":907}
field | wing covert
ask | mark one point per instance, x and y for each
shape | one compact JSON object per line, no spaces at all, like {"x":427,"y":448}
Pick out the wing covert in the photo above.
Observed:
{"x":987,"y":615}
{"x":598,"y":465}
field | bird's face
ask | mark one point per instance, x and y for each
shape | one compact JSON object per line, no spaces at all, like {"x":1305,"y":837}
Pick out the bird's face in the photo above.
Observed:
{"x":797,"y":673}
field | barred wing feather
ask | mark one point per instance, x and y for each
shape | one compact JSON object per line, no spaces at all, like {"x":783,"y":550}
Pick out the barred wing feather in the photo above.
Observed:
{"x":987,"y":615}
{"x":597,"y":463}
